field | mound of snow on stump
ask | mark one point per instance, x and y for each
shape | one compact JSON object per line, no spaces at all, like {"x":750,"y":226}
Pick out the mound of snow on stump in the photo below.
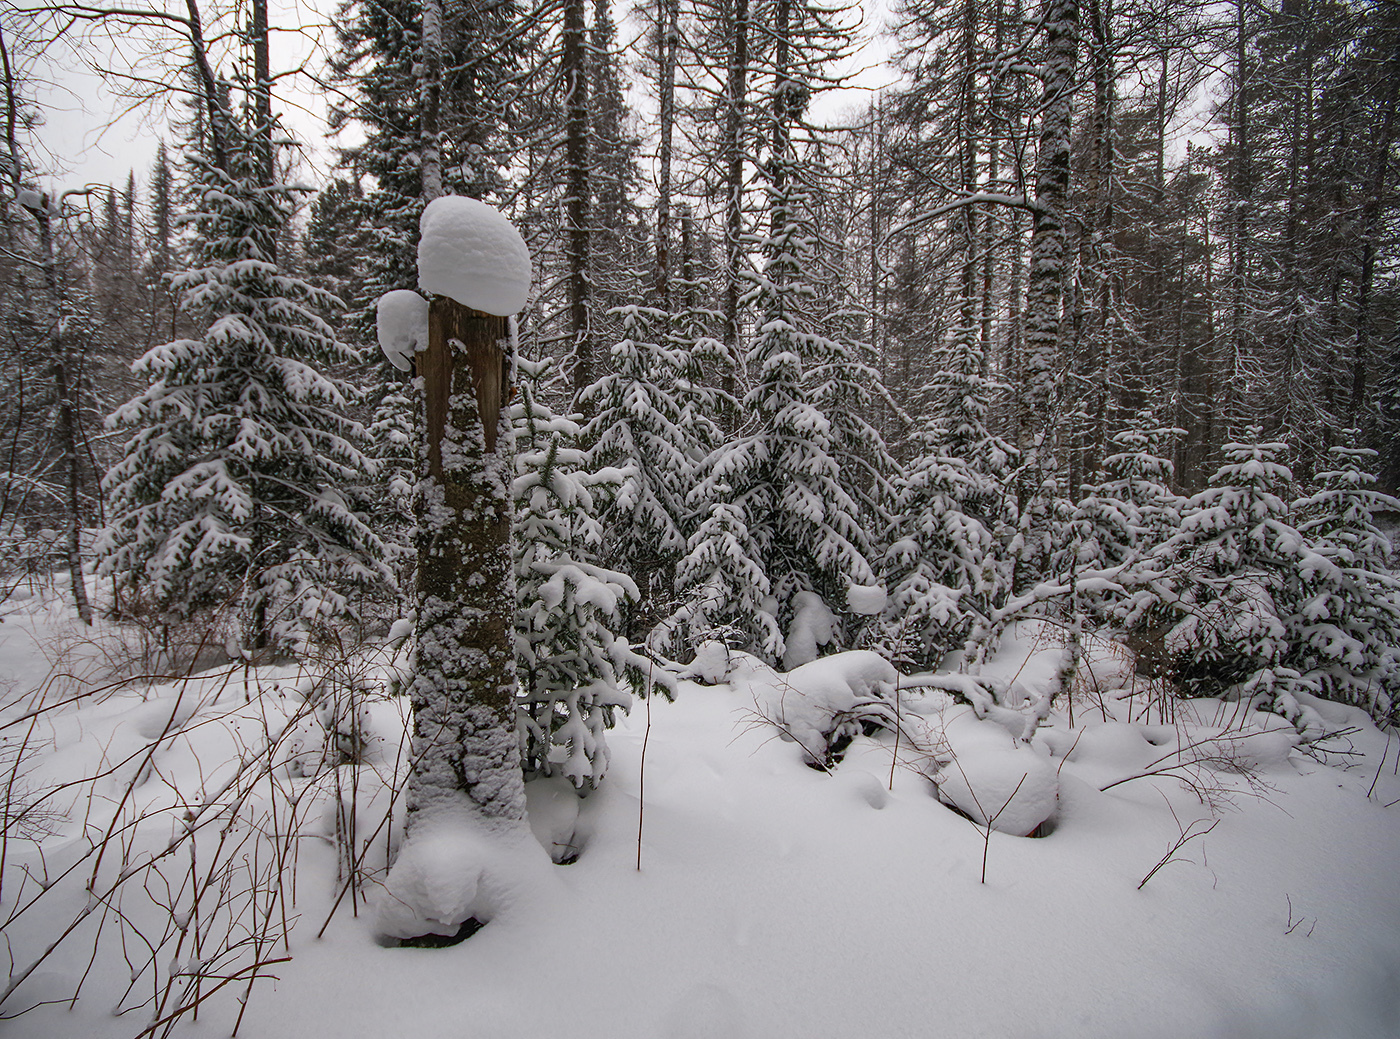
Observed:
{"x":810,"y":703}
{"x":711,"y":664}
{"x":988,"y":776}
{"x":472,"y":253}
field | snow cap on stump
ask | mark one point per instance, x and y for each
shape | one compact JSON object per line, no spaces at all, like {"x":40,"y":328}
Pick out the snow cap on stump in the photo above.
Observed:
{"x":470,"y":252}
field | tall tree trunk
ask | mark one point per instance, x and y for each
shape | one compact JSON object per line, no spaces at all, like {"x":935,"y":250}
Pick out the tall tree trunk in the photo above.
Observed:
{"x":262,"y":94}
{"x":736,"y":99}
{"x":1241,"y":190}
{"x":1046,"y":280}
{"x":430,"y":100}
{"x":65,"y":392}
{"x":463,"y":690}
{"x":576,"y":245}
{"x":466,"y":757}
{"x":668,"y":15}
{"x":1370,"y":231}
{"x":214,"y":103}
{"x":1106,"y":364}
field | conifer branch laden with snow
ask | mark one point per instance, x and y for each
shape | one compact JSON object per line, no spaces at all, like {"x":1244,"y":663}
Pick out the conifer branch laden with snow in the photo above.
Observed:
{"x":575,"y":668}
{"x":227,"y":490}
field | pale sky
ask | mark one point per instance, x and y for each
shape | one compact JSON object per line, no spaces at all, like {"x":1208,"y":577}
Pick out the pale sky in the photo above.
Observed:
{"x":89,"y":139}
{"x":91,"y":136}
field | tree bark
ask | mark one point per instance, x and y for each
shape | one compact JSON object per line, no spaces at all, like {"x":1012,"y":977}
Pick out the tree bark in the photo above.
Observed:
{"x":1370,"y":232}
{"x":463,"y":690}
{"x":669,"y":15}
{"x":430,"y":100}
{"x":736,"y":98}
{"x":576,"y":244}
{"x":262,"y":93}
{"x":1046,"y":280}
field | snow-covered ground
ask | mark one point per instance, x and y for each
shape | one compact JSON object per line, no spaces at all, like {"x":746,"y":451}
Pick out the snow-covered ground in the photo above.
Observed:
{"x":773,"y":899}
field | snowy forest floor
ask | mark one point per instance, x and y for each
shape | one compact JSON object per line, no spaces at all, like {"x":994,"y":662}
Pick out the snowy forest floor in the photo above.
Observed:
{"x":773,"y":900}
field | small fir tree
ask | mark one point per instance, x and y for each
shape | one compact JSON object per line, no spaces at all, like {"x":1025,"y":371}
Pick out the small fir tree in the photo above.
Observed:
{"x":940,"y":569}
{"x":1220,"y":602}
{"x":574,"y":670}
{"x":1345,"y":626}
{"x":638,"y":433}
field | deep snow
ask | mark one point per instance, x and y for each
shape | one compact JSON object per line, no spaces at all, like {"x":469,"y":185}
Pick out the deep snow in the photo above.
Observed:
{"x":775,"y":899}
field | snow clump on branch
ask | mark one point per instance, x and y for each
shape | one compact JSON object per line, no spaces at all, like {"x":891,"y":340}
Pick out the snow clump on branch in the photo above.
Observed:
{"x":401,"y":321}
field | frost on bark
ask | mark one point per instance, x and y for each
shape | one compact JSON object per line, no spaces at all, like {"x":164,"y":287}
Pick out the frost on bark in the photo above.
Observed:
{"x":574,"y":51}
{"x":465,"y":751}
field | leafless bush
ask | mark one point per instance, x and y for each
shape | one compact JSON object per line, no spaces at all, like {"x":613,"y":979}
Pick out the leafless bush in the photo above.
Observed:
{"x":186,"y":874}
{"x":1200,"y":765}
{"x":1185,"y":834}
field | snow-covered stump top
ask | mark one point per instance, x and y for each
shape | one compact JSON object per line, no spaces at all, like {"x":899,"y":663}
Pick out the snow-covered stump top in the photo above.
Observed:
{"x":471,"y":253}
{"x":467,"y":251}
{"x":466,"y":797}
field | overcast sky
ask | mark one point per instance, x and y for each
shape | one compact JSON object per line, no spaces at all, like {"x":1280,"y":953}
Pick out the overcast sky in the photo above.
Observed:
{"x":90,"y":135}
{"x":89,"y":138}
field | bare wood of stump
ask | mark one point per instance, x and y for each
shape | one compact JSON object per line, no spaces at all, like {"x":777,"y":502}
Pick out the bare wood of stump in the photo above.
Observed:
{"x":481,"y":357}
{"x":463,"y":688}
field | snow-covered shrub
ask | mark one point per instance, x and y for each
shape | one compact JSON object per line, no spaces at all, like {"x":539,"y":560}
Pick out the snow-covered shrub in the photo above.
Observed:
{"x":991,"y":778}
{"x":1344,"y":625}
{"x":723,"y":585}
{"x":711,"y":663}
{"x":824,"y":704}
{"x":175,"y":855}
{"x":941,"y":568}
{"x":639,"y":431}
{"x":1245,"y":603}
{"x":1220,"y":599}
{"x":574,"y":669}
{"x":786,"y":503}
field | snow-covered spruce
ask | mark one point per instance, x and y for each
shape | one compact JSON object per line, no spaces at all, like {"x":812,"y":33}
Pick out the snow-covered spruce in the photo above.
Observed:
{"x":638,"y":433}
{"x":941,"y":569}
{"x":724,"y":587}
{"x":575,"y":669}
{"x":1217,"y":617}
{"x":1121,"y":520}
{"x":1345,"y":623}
{"x":806,"y":515}
{"x":226,"y":490}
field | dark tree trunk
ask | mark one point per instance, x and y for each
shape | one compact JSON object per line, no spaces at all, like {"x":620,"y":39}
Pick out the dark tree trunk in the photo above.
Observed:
{"x":262,"y":93}
{"x":576,"y":245}
{"x":65,"y":392}
{"x":736,"y":91}
{"x":669,"y":15}
{"x":1045,"y":284}
{"x":463,"y":691}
